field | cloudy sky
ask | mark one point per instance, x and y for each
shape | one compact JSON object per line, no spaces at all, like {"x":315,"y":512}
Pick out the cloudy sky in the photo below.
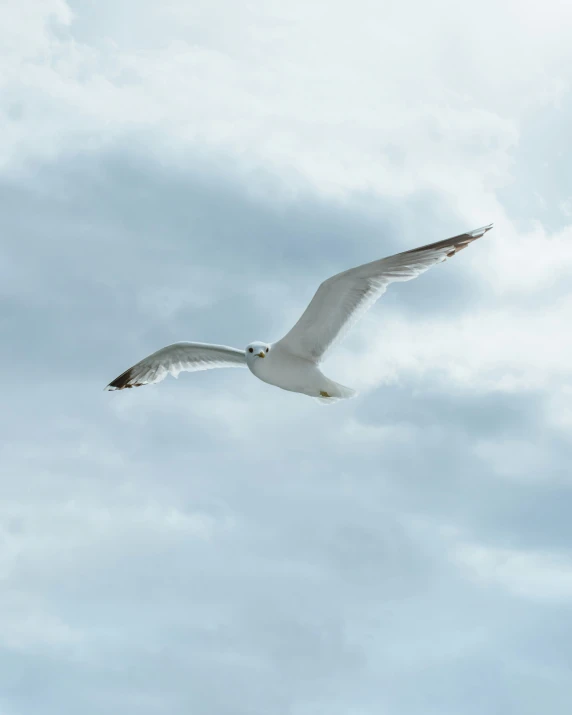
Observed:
{"x":192,"y":170}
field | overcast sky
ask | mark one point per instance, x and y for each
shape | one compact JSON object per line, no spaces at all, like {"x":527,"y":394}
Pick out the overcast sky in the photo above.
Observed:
{"x":212,"y":545}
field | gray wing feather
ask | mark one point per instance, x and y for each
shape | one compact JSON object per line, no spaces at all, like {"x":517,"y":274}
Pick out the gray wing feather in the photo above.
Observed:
{"x":176,"y":358}
{"x":342,"y":299}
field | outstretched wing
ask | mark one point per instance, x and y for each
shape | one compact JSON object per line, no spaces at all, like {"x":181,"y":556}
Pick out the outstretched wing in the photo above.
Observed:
{"x":176,"y":358}
{"x":342,"y":299}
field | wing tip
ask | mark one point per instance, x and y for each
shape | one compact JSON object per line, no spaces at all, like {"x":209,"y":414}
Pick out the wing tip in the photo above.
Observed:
{"x":455,"y":243}
{"x":123,"y":382}
{"x":478,"y":232}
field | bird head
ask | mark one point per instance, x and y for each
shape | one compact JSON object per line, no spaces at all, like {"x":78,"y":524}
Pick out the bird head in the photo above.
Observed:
{"x":257,"y":350}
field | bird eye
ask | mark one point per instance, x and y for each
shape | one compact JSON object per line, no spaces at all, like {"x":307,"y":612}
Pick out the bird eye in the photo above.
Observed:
{"x":267,"y":349}
{"x":250,"y":350}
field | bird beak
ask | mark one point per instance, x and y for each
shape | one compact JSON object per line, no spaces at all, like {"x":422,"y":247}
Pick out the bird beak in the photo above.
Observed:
{"x":261,"y":354}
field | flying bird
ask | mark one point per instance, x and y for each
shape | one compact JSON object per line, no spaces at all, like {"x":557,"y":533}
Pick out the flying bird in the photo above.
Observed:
{"x":293,"y":362}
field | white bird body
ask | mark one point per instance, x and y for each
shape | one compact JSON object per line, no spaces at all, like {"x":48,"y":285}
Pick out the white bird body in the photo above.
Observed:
{"x":292,"y":363}
{"x":295,"y":374}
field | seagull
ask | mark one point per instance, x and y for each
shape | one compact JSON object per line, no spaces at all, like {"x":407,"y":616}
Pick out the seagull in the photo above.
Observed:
{"x":293,"y":362}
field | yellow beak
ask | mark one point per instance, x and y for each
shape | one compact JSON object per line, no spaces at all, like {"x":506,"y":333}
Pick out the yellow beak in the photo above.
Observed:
{"x":261,"y":354}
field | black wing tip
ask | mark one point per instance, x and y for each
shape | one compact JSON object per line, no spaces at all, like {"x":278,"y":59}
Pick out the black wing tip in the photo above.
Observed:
{"x":456,"y":243}
{"x":124,"y":382}
{"x":462,"y":241}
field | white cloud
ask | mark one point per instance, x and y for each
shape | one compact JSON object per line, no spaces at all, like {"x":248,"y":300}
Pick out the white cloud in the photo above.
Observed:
{"x":361,"y":436}
{"x":45,"y":537}
{"x":537,"y":575}
{"x":495,"y":348}
{"x":558,"y":410}
{"x":27,"y":626}
{"x":29,"y":29}
{"x":406,"y":107}
{"x":528,"y":262}
{"x":566,"y":207}
{"x":516,"y":459}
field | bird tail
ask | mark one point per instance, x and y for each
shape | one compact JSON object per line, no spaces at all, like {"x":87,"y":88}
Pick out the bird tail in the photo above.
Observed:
{"x":333,"y":392}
